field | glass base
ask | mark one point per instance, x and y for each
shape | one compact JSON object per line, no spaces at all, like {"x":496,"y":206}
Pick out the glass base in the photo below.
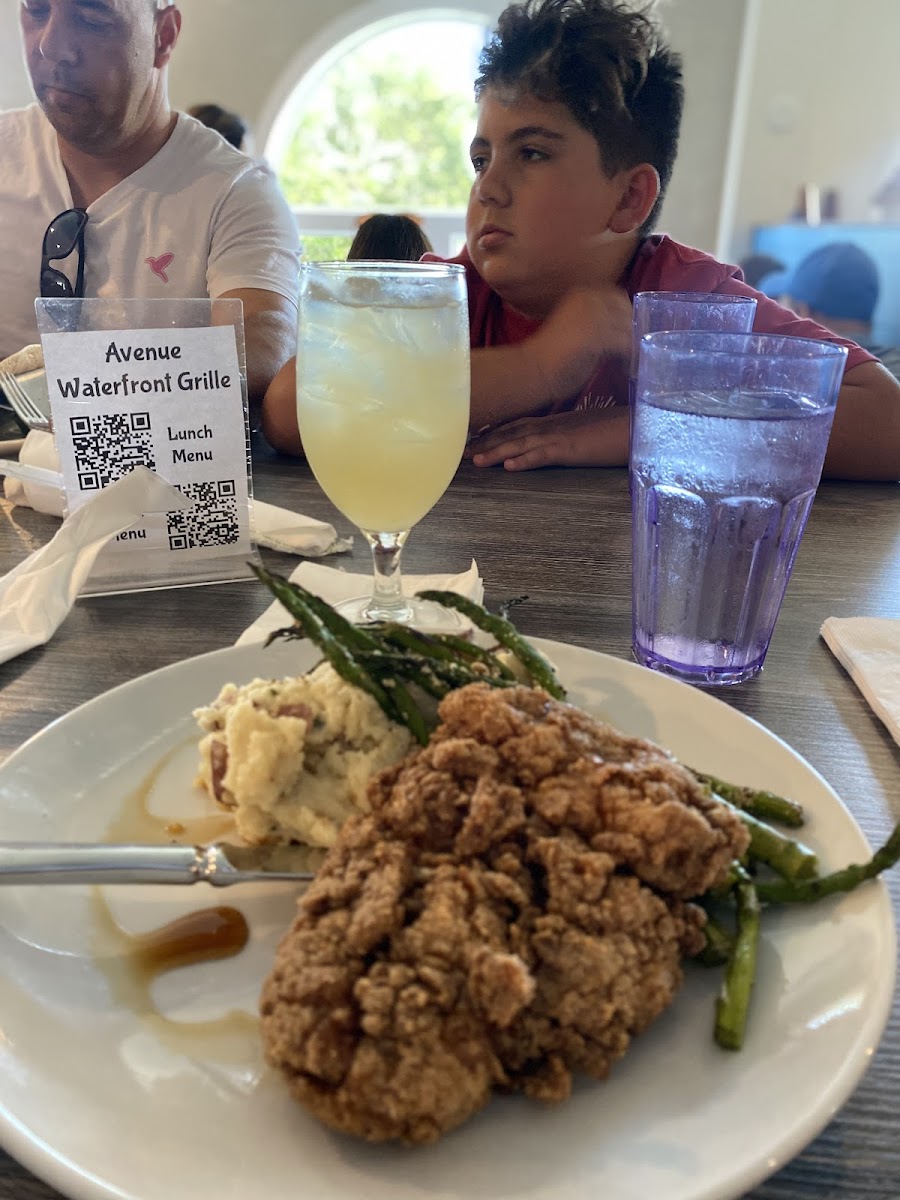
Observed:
{"x":424,"y":615}
{"x":697,"y":675}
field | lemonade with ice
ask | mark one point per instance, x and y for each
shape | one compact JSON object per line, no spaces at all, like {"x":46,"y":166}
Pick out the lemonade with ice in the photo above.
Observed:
{"x":383,"y":404}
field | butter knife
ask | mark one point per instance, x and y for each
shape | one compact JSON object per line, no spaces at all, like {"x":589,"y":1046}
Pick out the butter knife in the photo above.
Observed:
{"x":220,"y":864}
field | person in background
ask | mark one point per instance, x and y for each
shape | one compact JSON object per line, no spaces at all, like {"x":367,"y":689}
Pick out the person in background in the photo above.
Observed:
{"x":390,"y":237}
{"x":579,"y":110}
{"x":836,"y":285}
{"x":171,"y":209}
{"x":232,"y":127}
{"x":755,"y":266}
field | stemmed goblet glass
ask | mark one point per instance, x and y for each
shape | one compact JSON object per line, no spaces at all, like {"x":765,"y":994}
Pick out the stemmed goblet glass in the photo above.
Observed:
{"x":383,"y":407}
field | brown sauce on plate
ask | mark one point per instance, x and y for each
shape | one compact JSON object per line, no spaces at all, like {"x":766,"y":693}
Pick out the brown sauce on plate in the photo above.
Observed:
{"x":200,"y":936}
{"x":131,"y":962}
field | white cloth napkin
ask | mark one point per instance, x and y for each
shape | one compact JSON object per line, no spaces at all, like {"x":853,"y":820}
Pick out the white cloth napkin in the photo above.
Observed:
{"x":334,"y":585}
{"x":36,"y":596}
{"x":868,"y":648}
{"x":277,"y":528}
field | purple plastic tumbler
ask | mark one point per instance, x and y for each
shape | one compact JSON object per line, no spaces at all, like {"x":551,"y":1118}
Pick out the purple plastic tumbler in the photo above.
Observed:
{"x":730,"y":433}
{"x":655,"y":312}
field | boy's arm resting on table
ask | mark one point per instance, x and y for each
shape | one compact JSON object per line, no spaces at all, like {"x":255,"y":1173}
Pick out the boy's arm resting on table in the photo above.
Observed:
{"x":864,"y":443}
{"x":596,"y":437}
{"x":514,"y":381}
{"x":865,"y":436}
{"x":555,"y":362}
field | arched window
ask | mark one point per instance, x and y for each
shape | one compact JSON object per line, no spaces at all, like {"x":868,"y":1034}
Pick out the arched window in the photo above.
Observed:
{"x":382,"y":123}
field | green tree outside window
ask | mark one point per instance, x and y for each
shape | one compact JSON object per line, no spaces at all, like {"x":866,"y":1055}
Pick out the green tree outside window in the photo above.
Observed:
{"x":379,"y":132}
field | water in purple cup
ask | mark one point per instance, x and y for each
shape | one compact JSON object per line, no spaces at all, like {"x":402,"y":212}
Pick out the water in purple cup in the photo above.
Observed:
{"x":654,"y":312}
{"x":723,"y":475}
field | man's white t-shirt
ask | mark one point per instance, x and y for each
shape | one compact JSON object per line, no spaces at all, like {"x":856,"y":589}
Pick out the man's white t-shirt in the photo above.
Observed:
{"x":198,"y":219}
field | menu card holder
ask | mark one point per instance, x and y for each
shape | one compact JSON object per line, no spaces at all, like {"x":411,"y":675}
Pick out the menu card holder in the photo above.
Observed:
{"x":161,"y":384}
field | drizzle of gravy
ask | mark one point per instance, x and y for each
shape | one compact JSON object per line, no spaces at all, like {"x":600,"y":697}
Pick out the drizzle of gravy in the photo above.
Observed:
{"x":131,"y":962}
{"x":195,"y":937}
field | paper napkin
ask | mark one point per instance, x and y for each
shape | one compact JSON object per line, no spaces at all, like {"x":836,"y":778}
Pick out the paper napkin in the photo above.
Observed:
{"x":868,"y":648}
{"x":36,"y":596}
{"x":277,"y":528}
{"x":280,"y":529}
{"x":334,"y":585}
{"x":29,"y":358}
{"x":38,"y":450}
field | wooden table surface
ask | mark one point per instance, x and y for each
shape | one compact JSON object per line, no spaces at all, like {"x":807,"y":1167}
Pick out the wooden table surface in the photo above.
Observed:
{"x":562,"y":537}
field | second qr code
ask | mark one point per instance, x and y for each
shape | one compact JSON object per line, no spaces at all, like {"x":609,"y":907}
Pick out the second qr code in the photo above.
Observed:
{"x":213,"y":521}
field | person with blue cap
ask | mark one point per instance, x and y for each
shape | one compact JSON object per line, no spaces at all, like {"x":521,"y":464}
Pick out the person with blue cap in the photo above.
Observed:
{"x":836,"y":286}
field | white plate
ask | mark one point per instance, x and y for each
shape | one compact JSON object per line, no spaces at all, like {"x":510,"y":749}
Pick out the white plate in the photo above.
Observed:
{"x":101,"y":1106}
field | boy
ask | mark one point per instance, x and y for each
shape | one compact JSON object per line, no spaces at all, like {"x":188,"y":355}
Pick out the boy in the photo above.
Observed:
{"x":579,"y":111}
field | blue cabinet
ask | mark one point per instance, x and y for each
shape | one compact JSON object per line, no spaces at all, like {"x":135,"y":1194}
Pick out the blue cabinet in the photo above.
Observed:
{"x":792,"y":242}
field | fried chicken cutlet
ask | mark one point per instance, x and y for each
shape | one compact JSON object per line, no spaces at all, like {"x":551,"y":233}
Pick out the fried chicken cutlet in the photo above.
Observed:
{"x":514,"y":908}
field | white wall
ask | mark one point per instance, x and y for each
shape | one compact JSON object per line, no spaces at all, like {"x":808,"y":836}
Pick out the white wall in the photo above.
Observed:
{"x":707,"y":33}
{"x":824,"y":108}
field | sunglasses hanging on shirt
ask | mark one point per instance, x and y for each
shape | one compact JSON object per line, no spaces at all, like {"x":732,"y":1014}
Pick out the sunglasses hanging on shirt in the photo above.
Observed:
{"x":64,"y":234}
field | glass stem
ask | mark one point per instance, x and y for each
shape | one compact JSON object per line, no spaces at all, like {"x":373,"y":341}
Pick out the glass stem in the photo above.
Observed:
{"x":387,"y":603}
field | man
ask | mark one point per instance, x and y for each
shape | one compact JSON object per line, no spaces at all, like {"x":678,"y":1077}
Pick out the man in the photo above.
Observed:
{"x":172,"y":210}
{"x":837,"y":286}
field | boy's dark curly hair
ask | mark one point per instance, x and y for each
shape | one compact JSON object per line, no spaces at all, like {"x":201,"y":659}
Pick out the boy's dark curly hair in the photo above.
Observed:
{"x":607,"y":63}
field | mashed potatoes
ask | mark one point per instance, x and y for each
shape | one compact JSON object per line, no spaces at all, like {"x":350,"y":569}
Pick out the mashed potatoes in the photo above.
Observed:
{"x":292,"y":757}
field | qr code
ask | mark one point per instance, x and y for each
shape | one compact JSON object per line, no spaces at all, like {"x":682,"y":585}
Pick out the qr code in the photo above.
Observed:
{"x":109,"y":446}
{"x":213,"y":521}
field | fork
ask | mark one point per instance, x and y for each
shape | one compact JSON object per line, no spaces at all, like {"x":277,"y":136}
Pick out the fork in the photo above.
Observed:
{"x":23,"y":406}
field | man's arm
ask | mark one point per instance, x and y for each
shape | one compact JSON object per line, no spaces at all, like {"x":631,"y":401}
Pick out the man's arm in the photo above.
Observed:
{"x":279,"y":411}
{"x":865,"y":437}
{"x":555,"y":362}
{"x":254,"y":257}
{"x":270,"y":331}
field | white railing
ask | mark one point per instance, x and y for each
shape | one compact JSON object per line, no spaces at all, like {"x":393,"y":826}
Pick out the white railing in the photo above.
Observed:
{"x":444,"y":228}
